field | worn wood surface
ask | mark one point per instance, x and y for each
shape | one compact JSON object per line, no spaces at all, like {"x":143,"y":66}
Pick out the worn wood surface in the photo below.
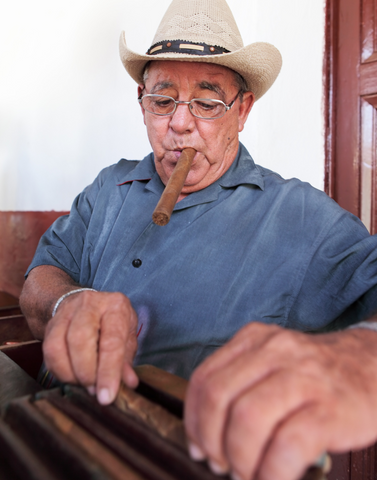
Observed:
{"x":14,"y":328}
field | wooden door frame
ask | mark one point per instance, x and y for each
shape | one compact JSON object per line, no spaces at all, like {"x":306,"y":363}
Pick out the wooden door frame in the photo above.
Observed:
{"x":342,"y":111}
{"x":329,"y":81}
{"x":343,"y":158}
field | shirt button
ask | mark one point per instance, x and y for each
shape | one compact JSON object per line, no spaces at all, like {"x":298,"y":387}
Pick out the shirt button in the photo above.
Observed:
{"x":136,"y":263}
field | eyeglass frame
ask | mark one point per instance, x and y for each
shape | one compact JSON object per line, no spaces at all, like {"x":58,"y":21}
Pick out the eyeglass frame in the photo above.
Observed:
{"x":181,"y":102}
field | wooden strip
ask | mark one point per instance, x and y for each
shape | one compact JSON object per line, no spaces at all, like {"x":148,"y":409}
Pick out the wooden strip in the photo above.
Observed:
{"x":84,"y":441}
{"x":9,"y":310}
{"x":368,"y":75}
{"x":133,"y":430}
{"x":14,"y":328}
{"x":100,"y":430}
{"x":165,"y":381}
{"x":52,"y":447}
{"x":16,"y":455}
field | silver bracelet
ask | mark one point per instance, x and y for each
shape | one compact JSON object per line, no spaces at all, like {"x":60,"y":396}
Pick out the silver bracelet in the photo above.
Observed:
{"x":366,"y":325}
{"x":67,"y":295}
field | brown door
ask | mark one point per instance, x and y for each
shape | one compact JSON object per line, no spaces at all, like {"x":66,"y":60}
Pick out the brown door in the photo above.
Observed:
{"x":352,"y":103}
{"x":351,"y":141}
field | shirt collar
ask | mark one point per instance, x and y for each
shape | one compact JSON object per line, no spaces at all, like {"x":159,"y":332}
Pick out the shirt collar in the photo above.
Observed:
{"x":143,"y":171}
{"x":243,"y":171}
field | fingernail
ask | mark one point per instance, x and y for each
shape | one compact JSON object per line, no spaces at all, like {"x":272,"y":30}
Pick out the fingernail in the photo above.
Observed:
{"x":91,"y":390}
{"x":195,"y":452}
{"x":104,"y":396}
{"x":235,"y":476}
{"x":217,"y":468}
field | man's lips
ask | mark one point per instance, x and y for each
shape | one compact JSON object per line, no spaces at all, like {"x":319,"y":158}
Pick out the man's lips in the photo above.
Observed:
{"x":177,"y":153}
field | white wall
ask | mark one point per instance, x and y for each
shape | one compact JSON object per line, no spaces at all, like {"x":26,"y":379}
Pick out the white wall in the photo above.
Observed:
{"x":68,"y":108}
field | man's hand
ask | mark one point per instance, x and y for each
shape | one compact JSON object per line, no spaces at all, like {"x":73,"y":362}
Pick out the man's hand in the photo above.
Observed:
{"x":271,"y":401}
{"x":92,"y":341}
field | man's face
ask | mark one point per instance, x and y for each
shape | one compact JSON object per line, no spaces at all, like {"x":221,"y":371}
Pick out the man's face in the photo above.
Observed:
{"x":216,"y":141}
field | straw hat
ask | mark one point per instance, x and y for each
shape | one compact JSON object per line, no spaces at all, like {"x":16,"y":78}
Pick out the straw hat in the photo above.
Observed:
{"x":205,"y":31}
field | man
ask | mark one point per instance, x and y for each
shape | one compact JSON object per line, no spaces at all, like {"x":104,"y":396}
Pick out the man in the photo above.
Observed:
{"x":244,"y":249}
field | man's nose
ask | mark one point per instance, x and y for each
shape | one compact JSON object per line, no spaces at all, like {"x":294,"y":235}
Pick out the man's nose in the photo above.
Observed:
{"x":182,"y":119}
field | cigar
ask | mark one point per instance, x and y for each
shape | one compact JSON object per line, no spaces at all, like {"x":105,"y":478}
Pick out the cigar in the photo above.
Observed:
{"x":169,"y":197}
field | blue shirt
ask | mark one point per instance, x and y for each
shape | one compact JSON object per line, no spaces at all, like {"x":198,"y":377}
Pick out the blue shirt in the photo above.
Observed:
{"x":250,"y":247}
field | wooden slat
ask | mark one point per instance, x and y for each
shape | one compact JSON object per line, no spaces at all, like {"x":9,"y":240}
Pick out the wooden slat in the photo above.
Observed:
{"x":58,"y":455}
{"x":368,"y":78}
{"x":14,"y":328}
{"x":10,"y":310}
{"x":27,"y":355}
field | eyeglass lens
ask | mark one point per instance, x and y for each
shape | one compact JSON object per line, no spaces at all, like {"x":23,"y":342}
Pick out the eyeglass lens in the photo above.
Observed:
{"x":200,"y":107}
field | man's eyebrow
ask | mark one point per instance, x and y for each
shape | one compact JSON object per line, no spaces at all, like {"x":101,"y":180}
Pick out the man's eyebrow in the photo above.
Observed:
{"x":161,"y":86}
{"x":213,"y":87}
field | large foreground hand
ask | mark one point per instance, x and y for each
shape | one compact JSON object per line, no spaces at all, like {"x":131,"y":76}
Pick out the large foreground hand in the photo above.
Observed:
{"x":271,"y":401}
{"x":92,"y":341}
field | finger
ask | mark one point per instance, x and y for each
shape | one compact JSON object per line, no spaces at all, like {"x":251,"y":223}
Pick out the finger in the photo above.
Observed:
{"x":206,"y":418}
{"x":129,"y":376}
{"x":112,"y":347}
{"x":82,"y":339}
{"x":221,"y":377}
{"x":256,"y":414}
{"x":248,"y":339}
{"x":297,"y":443}
{"x":55,"y":350}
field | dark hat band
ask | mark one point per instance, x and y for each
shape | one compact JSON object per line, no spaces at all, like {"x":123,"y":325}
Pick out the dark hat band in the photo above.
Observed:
{"x":182,"y":46}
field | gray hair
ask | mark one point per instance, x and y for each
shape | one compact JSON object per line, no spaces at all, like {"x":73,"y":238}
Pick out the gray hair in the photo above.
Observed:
{"x":240,"y":84}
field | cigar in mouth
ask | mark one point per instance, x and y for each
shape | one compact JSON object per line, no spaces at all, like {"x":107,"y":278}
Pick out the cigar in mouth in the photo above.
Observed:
{"x":169,"y":197}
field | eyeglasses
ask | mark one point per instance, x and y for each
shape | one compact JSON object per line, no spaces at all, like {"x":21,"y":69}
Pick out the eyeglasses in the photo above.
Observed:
{"x":206,"y":108}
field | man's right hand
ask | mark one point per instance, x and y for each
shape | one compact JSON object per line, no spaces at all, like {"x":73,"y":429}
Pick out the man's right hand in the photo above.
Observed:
{"x":91,"y":340}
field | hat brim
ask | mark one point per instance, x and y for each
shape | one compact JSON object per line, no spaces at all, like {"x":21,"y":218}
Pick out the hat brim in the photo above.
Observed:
{"x":258,"y":63}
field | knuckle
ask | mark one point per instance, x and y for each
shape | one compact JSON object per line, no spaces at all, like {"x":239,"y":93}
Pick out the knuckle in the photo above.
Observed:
{"x":48,"y":352}
{"x":119,"y":300}
{"x":199,"y":378}
{"x":114,"y":332}
{"x":78,"y":337}
{"x":284,"y":340}
{"x":242,"y":413}
{"x":51,"y":350}
{"x":112,"y":343}
{"x":213,"y":396}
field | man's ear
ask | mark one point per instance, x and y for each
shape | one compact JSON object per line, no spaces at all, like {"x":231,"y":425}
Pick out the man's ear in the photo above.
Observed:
{"x":140,"y":89}
{"x":244,"y":109}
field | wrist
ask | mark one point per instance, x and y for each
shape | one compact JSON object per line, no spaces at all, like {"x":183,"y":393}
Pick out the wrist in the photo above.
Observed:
{"x":68,"y":294}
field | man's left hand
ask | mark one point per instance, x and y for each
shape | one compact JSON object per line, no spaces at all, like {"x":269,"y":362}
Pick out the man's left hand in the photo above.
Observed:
{"x":271,"y":401}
